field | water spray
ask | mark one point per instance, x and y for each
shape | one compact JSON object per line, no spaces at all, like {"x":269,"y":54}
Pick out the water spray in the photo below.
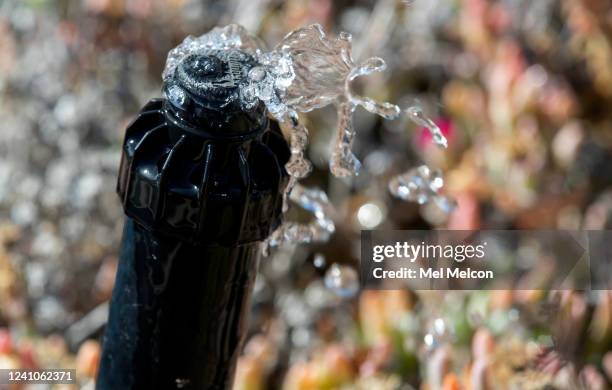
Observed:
{"x":205,"y":177}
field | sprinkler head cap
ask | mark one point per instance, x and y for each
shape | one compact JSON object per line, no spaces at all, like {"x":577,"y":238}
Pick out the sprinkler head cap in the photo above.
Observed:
{"x":203,"y":94}
{"x":210,"y":80}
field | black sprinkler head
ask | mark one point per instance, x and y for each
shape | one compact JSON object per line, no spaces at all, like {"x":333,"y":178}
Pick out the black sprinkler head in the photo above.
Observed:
{"x":205,"y":84}
{"x":201,"y":182}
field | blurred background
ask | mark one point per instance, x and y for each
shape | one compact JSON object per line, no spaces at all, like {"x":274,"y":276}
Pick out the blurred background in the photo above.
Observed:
{"x":521,"y":89}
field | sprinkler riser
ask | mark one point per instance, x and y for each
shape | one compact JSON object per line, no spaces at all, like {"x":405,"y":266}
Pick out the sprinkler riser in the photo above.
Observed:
{"x":199,"y":197}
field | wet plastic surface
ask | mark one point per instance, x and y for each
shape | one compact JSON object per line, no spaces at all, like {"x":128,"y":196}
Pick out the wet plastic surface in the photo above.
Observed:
{"x":206,"y":186}
{"x":178,"y":313}
{"x":201,"y":183}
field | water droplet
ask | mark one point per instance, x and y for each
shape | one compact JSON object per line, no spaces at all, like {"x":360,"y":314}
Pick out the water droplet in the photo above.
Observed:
{"x":370,"y":215}
{"x":319,"y":261}
{"x":257,"y":73}
{"x":176,"y":95}
{"x":315,"y":201}
{"x":421,"y":185}
{"x":343,"y":162}
{"x":415,"y":113}
{"x":342,"y":280}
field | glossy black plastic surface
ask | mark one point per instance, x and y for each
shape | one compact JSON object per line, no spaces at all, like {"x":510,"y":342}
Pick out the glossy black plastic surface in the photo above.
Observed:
{"x":203,"y":187}
{"x":201,"y":183}
{"x":178,"y":313}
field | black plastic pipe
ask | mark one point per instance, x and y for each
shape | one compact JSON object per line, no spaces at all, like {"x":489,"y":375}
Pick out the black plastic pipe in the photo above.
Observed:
{"x":201,"y":182}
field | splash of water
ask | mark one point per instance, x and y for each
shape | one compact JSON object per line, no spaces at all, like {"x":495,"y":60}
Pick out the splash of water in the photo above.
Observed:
{"x":229,"y":37}
{"x":305,"y":71}
{"x":415,"y":114}
{"x":422,"y":185}
{"x":308,"y":70}
{"x":315,"y":201}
